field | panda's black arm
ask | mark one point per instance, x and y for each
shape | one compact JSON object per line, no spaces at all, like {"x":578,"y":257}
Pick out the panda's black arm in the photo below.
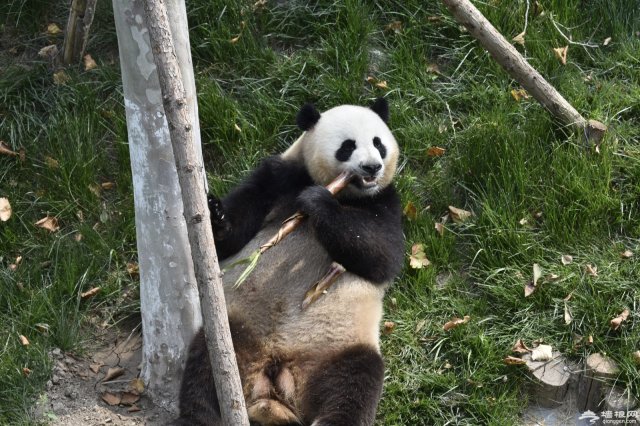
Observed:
{"x":238,"y":217}
{"x":365,"y":236}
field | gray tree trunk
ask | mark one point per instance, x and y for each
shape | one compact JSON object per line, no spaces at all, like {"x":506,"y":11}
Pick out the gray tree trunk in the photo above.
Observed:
{"x":168,"y":293}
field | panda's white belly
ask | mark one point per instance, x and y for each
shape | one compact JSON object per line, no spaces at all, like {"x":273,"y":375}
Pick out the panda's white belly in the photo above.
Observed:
{"x":269,"y":302}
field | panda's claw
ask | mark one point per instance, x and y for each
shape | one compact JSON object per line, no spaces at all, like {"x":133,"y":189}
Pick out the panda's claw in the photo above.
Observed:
{"x":221,"y":225}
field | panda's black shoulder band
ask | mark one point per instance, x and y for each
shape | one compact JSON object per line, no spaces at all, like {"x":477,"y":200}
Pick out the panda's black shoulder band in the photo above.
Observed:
{"x":307,"y":117}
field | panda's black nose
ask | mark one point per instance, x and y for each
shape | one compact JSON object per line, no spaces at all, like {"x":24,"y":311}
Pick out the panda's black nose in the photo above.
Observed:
{"x":371,"y":169}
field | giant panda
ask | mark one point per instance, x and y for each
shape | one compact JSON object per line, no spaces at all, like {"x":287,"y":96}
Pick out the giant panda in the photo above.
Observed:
{"x":319,"y":366}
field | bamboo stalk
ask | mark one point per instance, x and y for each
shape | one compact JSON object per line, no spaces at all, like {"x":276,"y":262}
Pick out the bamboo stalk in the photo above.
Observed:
{"x":288,"y":226}
{"x":318,"y":289}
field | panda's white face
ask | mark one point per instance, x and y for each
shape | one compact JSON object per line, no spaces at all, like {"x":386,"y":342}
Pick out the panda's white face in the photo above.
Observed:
{"x":351,"y":138}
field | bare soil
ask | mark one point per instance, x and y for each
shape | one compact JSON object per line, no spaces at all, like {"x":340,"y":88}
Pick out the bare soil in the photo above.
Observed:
{"x":101,"y":388}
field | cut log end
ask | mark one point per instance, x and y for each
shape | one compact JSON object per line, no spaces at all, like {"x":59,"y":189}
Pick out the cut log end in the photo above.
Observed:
{"x":550,"y":379}
{"x":594,"y":131}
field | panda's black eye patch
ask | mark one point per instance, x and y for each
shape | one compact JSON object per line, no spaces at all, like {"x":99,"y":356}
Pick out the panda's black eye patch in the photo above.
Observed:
{"x":377,"y":143}
{"x":346,"y":149}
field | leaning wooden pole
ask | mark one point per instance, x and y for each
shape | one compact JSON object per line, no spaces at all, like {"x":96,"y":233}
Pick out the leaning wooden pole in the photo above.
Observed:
{"x":512,"y":61}
{"x":77,"y":31}
{"x":196,"y":212}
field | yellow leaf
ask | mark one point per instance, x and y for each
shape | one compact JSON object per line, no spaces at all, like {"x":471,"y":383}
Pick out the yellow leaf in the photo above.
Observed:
{"x":410,"y":211}
{"x":382,"y":85}
{"x":518,"y":94}
{"x":418,"y":259}
{"x":49,"y":223}
{"x":455,"y":322}
{"x":26,"y":371}
{"x":137,"y":385}
{"x":89,"y":63}
{"x":60,"y":77}
{"x":440,"y":228}
{"x":107,"y":185}
{"x":519,"y":38}
{"x":5,"y":209}
{"x":561,"y":54}
{"x":435,"y":151}
{"x":627,"y":254}
{"x":132,"y":268}
{"x":23,"y":340}
{"x":53,"y":29}
{"x":235,"y":39}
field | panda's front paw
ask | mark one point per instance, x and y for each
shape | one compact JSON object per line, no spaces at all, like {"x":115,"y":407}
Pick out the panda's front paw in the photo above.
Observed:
{"x":315,"y":200}
{"x":219,"y":221}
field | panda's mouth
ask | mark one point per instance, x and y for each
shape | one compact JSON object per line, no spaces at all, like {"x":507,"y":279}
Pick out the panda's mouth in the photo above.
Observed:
{"x":366,"y":182}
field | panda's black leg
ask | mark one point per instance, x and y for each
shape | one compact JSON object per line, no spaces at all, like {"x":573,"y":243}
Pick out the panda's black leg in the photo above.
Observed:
{"x":221,"y":225}
{"x":345,"y":390}
{"x":198,"y":398}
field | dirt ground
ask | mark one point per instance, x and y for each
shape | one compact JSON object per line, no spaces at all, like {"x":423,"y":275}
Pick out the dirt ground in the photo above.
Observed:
{"x":101,"y":388}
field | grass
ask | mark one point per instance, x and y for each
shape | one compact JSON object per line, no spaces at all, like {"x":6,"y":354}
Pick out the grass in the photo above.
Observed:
{"x":536,"y":191}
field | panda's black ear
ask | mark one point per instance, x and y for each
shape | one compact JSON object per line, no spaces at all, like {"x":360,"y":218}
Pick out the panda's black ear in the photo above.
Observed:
{"x":381,"y":107}
{"x":307,"y":117}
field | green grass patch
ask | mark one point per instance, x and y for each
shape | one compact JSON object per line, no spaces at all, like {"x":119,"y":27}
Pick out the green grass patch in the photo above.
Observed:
{"x":536,"y":190}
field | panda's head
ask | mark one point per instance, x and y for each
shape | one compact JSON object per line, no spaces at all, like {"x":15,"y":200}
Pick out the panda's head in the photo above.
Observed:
{"x":347,"y":137}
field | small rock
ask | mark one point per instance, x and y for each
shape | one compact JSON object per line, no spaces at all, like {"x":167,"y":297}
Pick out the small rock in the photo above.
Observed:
{"x":55,"y":379}
{"x":57,"y":353}
{"x":71,"y":394}
{"x":48,"y":385}
{"x":58,"y":407}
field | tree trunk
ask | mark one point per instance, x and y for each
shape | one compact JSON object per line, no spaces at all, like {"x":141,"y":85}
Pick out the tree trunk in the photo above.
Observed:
{"x":512,"y":61}
{"x":77,"y":31}
{"x":168,"y":293}
{"x":196,"y":212}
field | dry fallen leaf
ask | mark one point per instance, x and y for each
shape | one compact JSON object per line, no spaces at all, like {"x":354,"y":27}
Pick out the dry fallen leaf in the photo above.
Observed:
{"x":42,"y":327}
{"x":5,"y":150}
{"x":26,"y":371}
{"x":48,"y":52}
{"x":53,"y":29}
{"x":382,"y":84}
{"x":137,"y":385}
{"x":520,"y":348}
{"x":627,"y":254}
{"x":418,"y":258}
{"x":133,"y":409}
{"x":459,"y":215}
{"x":440,"y":228}
{"x":90,"y":293}
{"x":590,"y":340}
{"x":23,"y":340}
{"x":129,"y":398}
{"x":51,"y":162}
{"x":606,"y":41}
{"x":531,"y":286}
{"x":111,"y":398}
{"x":395,"y":26}
{"x":410,"y":211}
{"x":133,"y":269}
{"x":636,"y":357}
{"x":60,"y":77}
{"x":617,"y":321}
{"x":95,"y":367}
{"x":389,"y":326}
{"x":89,"y":63}
{"x":49,"y":223}
{"x":518,"y":94}
{"x":566,"y":259}
{"x":561,"y":54}
{"x":542,"y":353}
{"x":514,"y":360}
{"x":113,"y":373}
{"x":552,"y":277}
{"x":434,"y":69}
{"x":591,"y":270}
{"x":435,"y":151}
{"x":568,"y":318}
{"x":455,"y":322}
{"x":235,"y":39}
{"x":5,"y":209}
{"x":519,"y":38}
{"x":259,"y":5}
{"x":107,"y":185}
{"x":420,"y":325}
